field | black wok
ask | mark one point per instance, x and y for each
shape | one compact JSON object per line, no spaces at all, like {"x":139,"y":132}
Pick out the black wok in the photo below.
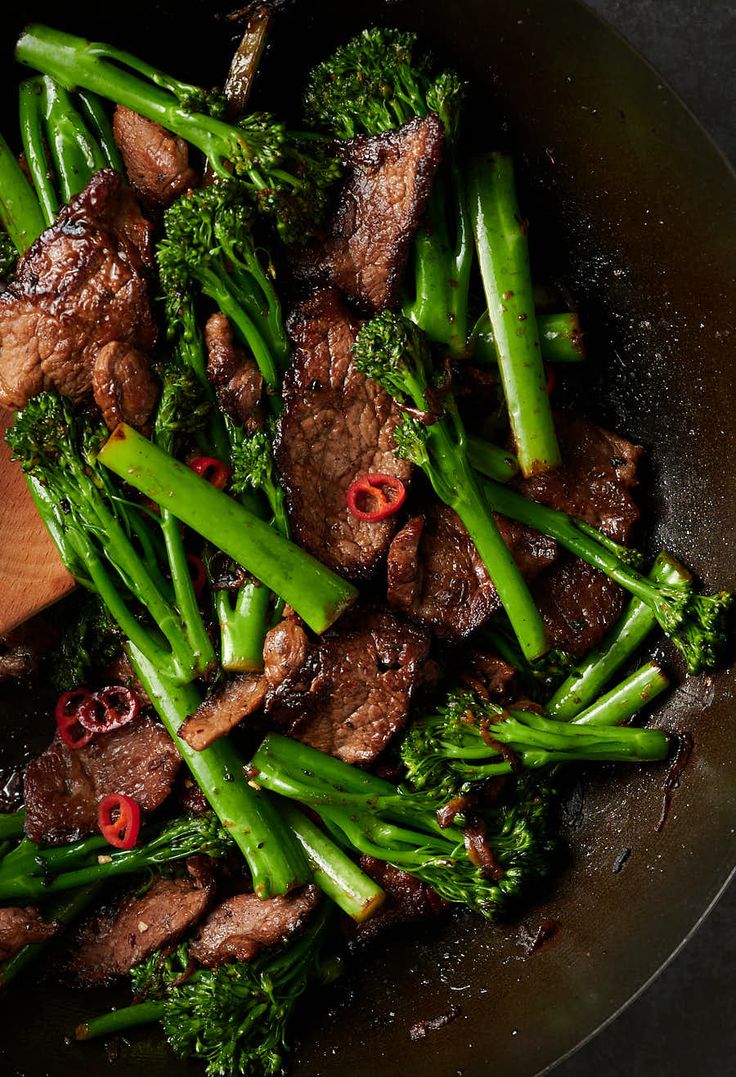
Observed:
{"x":634,"y":213}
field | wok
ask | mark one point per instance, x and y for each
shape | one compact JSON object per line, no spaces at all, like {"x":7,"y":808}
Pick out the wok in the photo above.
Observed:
{"x":634,"y":213}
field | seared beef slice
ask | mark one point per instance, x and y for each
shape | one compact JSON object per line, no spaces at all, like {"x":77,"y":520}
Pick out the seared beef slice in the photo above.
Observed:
{"x":156,"y":161}
{"x":245,"y":924}
{"x":221,"y":712}
{"x":354,"y":688}
{"x":436,"y":577}
{"x":236,"y":377}
{"x":124,"y":387}
{"x":388,"y":183}
{"x":113,"y":941}
{"x":63,"y":787}
{"x":578,"y":603}
{"x":336,"y":426}
{"x":20,"y":927}
{"x":80,"y":286}
{"x":407,"y":900}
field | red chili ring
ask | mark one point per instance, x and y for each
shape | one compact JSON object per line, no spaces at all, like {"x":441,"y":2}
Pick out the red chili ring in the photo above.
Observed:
{"x":109,"y":709}
{"x":198,"y":573}
{"x":211,"y":470}
{"x":119,"y":820}
{"x":67,"y":715}
{"x":371,"y":486}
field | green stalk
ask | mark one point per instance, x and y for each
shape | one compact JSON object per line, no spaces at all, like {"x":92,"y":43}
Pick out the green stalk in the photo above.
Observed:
{"x":333,"y":871}
{"x":501,"y":243}
{"x":20,"y":211}
{"x":312,"y":590}
{"x":32,"y":109}
{"x":75,"y":153}
{"x":63,"y":912}
{"x":99,"y":124}
{"x":78,"y":64}
{"x":455,"y":483}
{"x":560,"y":339}
{"x":186,"y":600}
{"x":11,"y":824}
{"x":590,"y":676}
{"x":111,"y":1024}
{"x":243,"y":626}
{"x":276,"y":863}
{"x":625,"y":700}
{"x":491,"y":460}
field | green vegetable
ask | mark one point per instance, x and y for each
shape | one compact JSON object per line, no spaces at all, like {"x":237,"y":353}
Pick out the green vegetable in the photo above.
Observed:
{"x":89,"y":642}
{"x":501,"y":243}
{"x":375,"y":83}
{"x":370,"y":816}
{"x":469,"y":739}
{"x":234,"y":1018}
{"x":288,"y":175}
{"x":394,"y":352}
{"x":30,"y":872}
{"x":626,"y":699}
{"x":560,"y":339}
{"x":61,"y":912}
{"x":590,"y":676}
{"x":315,"y":592}
{"x":695,"y":623}
{"x":20,"y":212}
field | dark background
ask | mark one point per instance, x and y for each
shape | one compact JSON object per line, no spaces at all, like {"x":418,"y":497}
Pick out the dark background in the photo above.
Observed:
{"x":685,"y":1022}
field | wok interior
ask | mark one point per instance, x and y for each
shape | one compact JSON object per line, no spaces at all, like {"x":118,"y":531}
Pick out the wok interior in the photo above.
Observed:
{"x":632,"y":212}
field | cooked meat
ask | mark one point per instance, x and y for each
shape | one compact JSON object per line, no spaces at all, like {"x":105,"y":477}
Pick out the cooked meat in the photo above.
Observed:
{"x":234,"y":374}
{"x":245,"y":924}
{"x":19,"y":928}
{"x":595,"y":480}
{"x":487,"y":674}
{"x":436,"y":577}
{"x":111,"y":942}
{"x":285,"y":651}
{"x":22,"y":649}
{"x":156,"y":161}
{"x":385,"y":193}
{"x":337,"y":425}
{"x":63,"y":787}
{"x":222,"y":711}
{"x":578,"y":604}
{"x":124,"y":387}
{"x":189,"y":796}
{"x":353,"y":692}
{"x":80,"y":285}
{"x":407,"y":900}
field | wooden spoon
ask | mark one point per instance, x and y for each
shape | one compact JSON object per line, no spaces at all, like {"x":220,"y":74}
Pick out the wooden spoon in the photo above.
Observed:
{"x":32,"y":576}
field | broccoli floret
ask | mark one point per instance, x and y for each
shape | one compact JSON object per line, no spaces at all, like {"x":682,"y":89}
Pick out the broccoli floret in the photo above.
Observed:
{"x":89,"y":641}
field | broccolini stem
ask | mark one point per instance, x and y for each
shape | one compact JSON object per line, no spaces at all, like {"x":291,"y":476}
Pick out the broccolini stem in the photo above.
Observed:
{"x":626,"y":699}
{"x":75,"y":153}
{"x":590,"y":676}
{"x":243,"y":626}
{"x":31,"y":107}
{"x":491,"y":460}
{"x":11,"y":824}
{"x":466,"y":498}
{"x":99,"y":123}
{"x":62,"y":912}
{"x":560,"y":339}
{"x":500,"y":238}
{"x":186,"y":600}
{"x":333,"y":871}
{"x":20,"y":211}
{"x":76,"y":63}
{"x":110,"y":1024}
{"x":314,"y":591}
{"x":275,"y":860}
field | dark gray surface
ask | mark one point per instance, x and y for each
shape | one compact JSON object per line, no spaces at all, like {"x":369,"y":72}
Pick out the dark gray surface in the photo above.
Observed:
{"x":685,"y":1022}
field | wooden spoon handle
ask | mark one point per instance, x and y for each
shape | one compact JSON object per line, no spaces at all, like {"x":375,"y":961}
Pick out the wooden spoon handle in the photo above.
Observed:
{"x":32,"y":576}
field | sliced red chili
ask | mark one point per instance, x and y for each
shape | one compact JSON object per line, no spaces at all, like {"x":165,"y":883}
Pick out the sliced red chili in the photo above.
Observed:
{"x":212,"y":470}
{"x":198,"y":573}
{"x":119,"y":820}
{"x":374,"y":497}
{"x":108,"y":709}
{"x":68,"y":721}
